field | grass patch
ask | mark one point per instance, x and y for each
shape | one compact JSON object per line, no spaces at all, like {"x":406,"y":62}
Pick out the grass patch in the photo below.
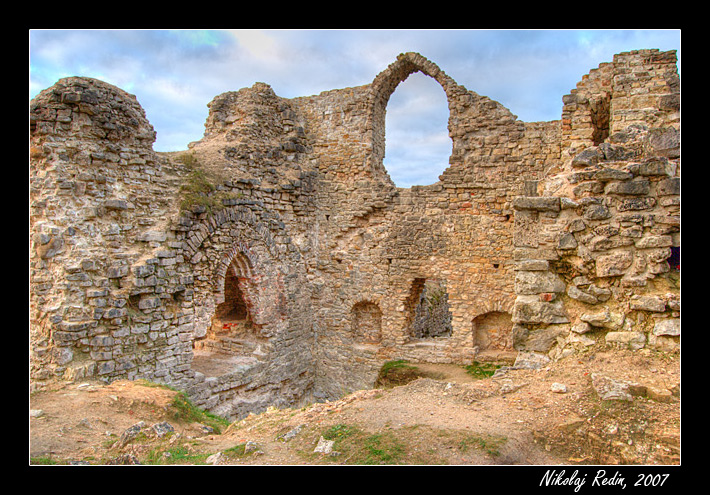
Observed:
{"x":408,"y":445}
{"x":236,"y":451}
{"x":482,"y":370}
{"x":487,"y":443}
{"x":200,"y":188}
{"x":240,"y":450}
{"x":383,"y":448}
{"x":182,"y":409}
{"x":394,"y":373}
{"x":45,"y":461}
{"x":415,"y":445}
{"x":359,"y":447}
{"x":339,"y":432}
{"x":174,"y":455}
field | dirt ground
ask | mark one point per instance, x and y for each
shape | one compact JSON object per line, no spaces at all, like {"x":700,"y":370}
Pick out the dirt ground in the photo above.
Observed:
{"x":446,"y":416}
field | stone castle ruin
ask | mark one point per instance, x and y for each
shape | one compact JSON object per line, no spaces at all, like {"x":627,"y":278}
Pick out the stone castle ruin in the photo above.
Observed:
{"x":275,"y":263}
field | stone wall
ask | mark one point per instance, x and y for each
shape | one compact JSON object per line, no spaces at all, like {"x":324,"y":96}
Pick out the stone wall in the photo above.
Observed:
{"x":129,"y":258}
{"x":593,"y":253}
{"x":537,"y":231}
{"x":99,"y":201}
{"x":593,"y":260}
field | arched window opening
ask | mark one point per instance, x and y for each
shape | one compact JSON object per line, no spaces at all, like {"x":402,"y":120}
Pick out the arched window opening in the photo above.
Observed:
{"x":417,"y":142}
{"x":428,"y":314}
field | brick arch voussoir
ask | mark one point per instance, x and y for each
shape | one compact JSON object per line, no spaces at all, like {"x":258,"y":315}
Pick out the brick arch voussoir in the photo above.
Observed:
{"x":242,"y":250}
{"x":239,"y":215}
{"x":494,"y":306}
{"x":407,"y":64}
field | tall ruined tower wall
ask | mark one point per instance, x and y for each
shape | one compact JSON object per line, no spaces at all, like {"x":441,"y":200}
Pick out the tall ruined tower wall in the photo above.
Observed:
{"x":598,"y":254}
{"x":286,"y":203}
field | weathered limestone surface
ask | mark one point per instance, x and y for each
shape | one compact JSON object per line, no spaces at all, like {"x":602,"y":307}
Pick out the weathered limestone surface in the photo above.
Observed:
{"x":538,"y":236}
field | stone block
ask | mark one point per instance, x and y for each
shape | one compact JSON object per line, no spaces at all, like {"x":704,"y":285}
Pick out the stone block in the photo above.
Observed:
{"x":614,"y":264}
{"x":530,"y":360}
{"x":637,"y":187}
{"x":647,"y":303}
{"x":537,"y":282}
{"x":143,"y":270}
{"x":543,"y":339}
{"x":567,"y":241}
{"x":50,"y":248}
{"x":576,"y":225}
{"x":604,"y":319}
{"x":149,"y":302}
{"x":616,"y":152}
{"x":633,"y":340}
{"x":659,"y":394}
{"x":607,"y":174}
{"x":665,"y":141}
{"x":668,"y":187}
{"x":532,"y":265}
{"x":580,"y":295}
{"x":529,"y":309}
{"x":596,"y":212}
{"x":667,"y":326}
{"x":636,"y":204}
{"x":117,"y":271}
{"x":610,"y":389}
{"x":152,"y":236}
{"x":537,"y":203}
{"x":653,"y":167}
{"x":581,"y":327}
{"x":588,"y":157}
{"x":116,"y":204}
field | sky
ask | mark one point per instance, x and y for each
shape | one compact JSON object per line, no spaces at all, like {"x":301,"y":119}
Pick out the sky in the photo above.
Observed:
{"x":174,"y":74}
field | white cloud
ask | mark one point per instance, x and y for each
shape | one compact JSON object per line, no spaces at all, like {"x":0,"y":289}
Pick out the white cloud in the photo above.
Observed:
{"x":257,"y":43}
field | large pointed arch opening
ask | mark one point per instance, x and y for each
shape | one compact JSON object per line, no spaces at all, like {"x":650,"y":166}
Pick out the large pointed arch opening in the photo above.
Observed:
{"x":417,"y":142}
{"x":424,"y":110}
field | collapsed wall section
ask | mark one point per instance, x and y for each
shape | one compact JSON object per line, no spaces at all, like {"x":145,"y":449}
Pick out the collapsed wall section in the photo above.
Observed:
{"x":597,"y":256}
{"x":637,"y":87}
{"x":130,"y":251}
{"x":98,"y":197}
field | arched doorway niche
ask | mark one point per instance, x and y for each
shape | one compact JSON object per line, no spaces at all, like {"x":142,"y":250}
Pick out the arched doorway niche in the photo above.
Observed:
{"x":233,"y":337}
{"x":418,"y":146}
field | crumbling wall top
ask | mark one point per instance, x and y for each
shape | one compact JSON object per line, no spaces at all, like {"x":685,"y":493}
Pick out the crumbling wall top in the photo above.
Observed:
{"x":92,"y":110}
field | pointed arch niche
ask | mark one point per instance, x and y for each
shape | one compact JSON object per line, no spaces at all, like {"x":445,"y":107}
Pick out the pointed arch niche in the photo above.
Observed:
{"x":233,"y":330}
{"x":383,"y":88}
